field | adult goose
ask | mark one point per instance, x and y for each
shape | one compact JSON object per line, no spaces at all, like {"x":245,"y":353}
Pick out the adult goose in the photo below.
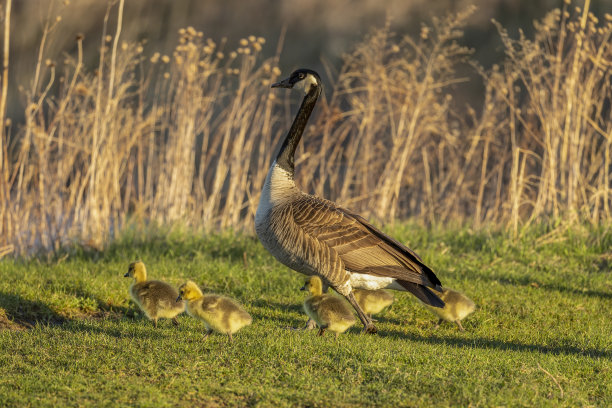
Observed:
{"x":314,"y":236}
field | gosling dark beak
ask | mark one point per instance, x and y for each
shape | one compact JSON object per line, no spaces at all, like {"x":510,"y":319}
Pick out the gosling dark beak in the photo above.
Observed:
{"x":179,"y":298}
{"x":303,"y":287}
{"x":127,"y":275}
{"x":282,"y":84}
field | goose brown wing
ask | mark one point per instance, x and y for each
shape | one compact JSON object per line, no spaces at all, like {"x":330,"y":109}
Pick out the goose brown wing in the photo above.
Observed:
{"x":361,"y":247}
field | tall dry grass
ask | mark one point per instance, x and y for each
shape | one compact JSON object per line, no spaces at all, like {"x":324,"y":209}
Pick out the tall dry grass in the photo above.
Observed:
{"x":188,"y":137}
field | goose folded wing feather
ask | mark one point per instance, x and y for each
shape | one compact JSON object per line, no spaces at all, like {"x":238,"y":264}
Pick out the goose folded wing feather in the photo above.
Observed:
{"x":361,"y":247}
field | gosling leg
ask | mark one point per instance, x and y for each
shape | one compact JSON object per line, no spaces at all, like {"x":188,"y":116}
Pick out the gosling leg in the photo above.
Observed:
{"x":310,"y":325}
{"x":207,"y":333}
{"x":459,"y":324}
{"x":439,"y":323}
{"x":175,"y":321}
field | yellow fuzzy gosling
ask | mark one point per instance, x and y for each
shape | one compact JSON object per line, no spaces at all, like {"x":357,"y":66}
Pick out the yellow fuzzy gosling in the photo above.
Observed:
{"x":155,"y":298}
{"x":373,"y":301}
{"x":328,"y":311}
{"x":219,"y":313}
{"x":457,"y":307}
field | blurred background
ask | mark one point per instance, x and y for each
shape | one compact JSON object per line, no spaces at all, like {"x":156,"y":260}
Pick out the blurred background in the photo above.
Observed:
{"x":139,"y":112}
{"x":315,"y":33}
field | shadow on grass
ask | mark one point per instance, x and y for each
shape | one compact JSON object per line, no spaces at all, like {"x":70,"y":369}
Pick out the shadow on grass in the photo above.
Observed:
{"x":498,"y":345}
{"x":28,"y":313}
{"x":524,"y":281}
{"x":142,"y":329}
{"x":260,"y":310}
{"x":164,"y":243}
{"x":104,"y":307}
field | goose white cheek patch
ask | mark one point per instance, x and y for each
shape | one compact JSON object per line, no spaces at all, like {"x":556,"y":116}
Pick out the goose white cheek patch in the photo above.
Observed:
{"x":306,"y":83}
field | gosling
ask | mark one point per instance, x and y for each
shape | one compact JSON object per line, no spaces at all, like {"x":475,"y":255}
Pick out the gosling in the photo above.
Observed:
{"x":373,"y":301}
{"x":328,"y":311}
{"x":457,"y":307}
{"x":219,"y":313}
{"x":155,"y":298}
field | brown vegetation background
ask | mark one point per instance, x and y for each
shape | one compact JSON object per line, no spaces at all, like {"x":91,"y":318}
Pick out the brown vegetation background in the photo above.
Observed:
{"x":436,"y":113}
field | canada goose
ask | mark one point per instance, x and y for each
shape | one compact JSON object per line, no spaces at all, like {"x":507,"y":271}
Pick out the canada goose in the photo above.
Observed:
{"x":457,"y":307}
{"x":155,"y":298}
{"x":328,"y":311}
{"x":373,"y":301}
{"x":219,"y":313}
{"x":314,"y":236}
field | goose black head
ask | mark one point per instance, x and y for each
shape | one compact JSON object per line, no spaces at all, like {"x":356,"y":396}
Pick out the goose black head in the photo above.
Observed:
{"x":301,"y":79}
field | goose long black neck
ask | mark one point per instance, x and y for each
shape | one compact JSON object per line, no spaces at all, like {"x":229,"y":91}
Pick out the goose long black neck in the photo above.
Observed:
{"x":287,"y":151}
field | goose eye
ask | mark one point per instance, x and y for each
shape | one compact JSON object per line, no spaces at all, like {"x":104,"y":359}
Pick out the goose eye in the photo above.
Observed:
{"x":301,"y":76}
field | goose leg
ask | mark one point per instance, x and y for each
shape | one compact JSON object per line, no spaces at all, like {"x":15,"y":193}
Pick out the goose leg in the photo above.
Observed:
{"x":368,"y":326}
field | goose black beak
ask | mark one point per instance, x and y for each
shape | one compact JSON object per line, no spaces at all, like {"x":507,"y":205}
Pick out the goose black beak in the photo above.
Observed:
{"x":282,"y":84}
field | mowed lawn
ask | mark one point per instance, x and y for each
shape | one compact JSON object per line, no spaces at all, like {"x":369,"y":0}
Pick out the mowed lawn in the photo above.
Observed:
{"x":541,"y":336}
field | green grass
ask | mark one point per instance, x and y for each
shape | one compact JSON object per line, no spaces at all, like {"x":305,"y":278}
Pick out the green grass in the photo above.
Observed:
{"x":541,"y":335}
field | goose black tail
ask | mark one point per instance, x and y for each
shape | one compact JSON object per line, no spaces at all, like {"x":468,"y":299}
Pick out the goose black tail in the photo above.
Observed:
{"x":424,"y":294}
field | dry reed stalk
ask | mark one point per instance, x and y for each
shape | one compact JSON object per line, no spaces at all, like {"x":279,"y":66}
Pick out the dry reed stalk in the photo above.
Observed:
{"x":5,"y":221}
{"x":188,"y":138}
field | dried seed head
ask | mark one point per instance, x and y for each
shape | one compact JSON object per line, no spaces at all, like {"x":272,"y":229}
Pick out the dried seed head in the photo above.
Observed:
{"x":233,"y":54}
{"x":425,"y":32}
{"x":252,"y":38}
{"x":166,"y":75}
{"x":108,"y":38}
{"x":81,"y":89}
{"x":165,"y":59}
{"x":244,"y":42}
{"x":79,"y":37}
{"x":220,"y":55}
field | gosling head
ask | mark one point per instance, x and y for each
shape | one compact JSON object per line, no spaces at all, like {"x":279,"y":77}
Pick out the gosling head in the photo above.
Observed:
{"x":189,"y":291}
{"x":137,"y":270}
{"x":304,"y":79}
{"x":314,"y":286}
